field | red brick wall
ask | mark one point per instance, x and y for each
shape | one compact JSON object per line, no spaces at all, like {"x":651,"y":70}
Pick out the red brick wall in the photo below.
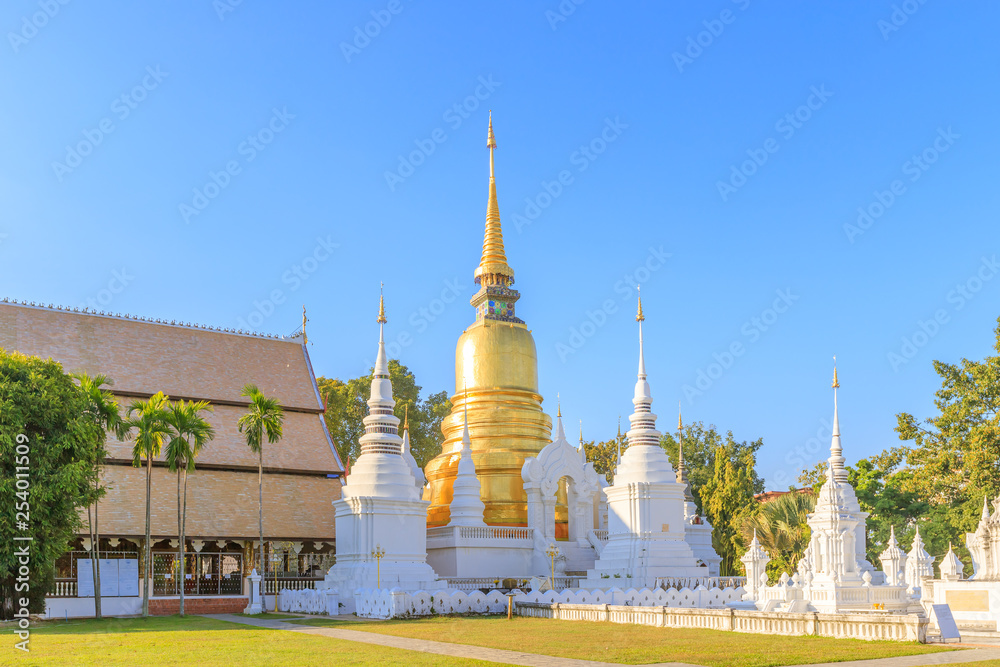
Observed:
{"x":170,"y":606}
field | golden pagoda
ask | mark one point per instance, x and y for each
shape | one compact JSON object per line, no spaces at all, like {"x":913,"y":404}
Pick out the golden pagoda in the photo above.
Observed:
{"x":496,"y":371}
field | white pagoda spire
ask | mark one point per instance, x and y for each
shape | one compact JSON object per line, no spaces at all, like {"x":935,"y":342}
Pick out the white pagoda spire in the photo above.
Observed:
{"x":893,"y":561}
{"x":582,"y":449}
{"x":951,"y":567}
{"x":836,"y":461}
{"x":919,"y":563}
{"x":642,"y":420}
{"x":467,"y":505}
{"x":381,"y":425}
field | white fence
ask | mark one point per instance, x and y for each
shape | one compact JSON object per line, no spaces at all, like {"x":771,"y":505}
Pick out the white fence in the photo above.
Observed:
{"x":896,"y":627}
{"x":309,"y":601}
{"x":395,"y":603}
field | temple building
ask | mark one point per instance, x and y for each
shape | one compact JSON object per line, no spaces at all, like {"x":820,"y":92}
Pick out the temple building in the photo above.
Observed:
{"x":301,"y":472}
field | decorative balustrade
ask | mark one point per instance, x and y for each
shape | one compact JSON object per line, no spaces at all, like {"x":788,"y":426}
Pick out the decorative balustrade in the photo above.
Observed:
{"x":289,"y":583}
{"x":64,"y":588}
{"x":893,"y":627}
{"x":601,"y":534}
{"x":694,"y":582}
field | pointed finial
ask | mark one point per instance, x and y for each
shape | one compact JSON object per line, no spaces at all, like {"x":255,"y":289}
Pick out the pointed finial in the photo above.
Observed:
{"x":493,"y":267}
{"x":491,"y":141}
{"x":619,"y":427}
{"x":639,"y":317}
{"x":381,"y":305}
{"x":680,"y":424}
{"x":581,"y":433}
{"x":836,"y":382}
{"x":305,"y":338}
{"x":406,"y":416}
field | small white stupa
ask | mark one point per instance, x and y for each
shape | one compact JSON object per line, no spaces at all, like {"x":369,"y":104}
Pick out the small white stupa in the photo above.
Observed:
{"x":381,"y":521}
{"x":467,"y":506}
{"x":646,"y":526}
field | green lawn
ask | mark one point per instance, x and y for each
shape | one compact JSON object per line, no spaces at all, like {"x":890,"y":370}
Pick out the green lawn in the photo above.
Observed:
{"x":633,"y":644}
{"x":193,"y":640}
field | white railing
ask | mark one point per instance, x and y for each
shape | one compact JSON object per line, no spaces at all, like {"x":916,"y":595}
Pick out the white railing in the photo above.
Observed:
{"x":64,"y":588}
{"x":481,"y":532}
{"x":494,"y":533}
{"x":893,"y":627}
{"x":667,"y":583}
{"x":288,"y":583}
{"x":601,"y":534}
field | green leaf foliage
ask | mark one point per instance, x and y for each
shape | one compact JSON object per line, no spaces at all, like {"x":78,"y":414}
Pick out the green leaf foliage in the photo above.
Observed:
{"x":41,"y":402}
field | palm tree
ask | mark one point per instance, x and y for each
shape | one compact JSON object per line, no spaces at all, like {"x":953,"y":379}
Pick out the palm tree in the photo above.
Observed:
{"x":190,"y":432}
{"x":264,"y":416}
{"x":781,"y":529}
{"x":148,"y":419}
{"x":101,"y":411}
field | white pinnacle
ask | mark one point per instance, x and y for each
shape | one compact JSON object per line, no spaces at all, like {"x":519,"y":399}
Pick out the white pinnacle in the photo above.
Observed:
{"x":467,"y":505}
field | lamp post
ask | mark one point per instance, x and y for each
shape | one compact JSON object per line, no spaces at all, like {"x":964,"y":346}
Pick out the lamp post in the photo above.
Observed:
{"x":378,"y":553}
{"x":552,"y":552}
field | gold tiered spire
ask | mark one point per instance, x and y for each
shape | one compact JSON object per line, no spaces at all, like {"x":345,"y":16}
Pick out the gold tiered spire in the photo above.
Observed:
{"x":639,"y":317}
{"x":493,"y":267}
{"x":381,"y":307}
{"x":836,"y":382}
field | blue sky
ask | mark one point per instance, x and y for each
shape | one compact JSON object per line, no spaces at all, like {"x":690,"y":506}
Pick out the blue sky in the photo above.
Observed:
{"x":195,"y":160}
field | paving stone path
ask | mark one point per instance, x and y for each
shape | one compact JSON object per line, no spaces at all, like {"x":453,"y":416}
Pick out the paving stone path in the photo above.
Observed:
{"x":535,"y":660}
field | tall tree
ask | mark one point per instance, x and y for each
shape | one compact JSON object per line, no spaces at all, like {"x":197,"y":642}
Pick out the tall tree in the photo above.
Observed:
{"x":604,"y":455}
{"x":264,"y":418}
{"x":46,"y":473}
{"x":728,"y":499}
{"x":780,"y":526}
{"x":189,"y":434}
{"x":701,"y":443}
{"x":102,"y":413}
{"x":147,"y":418}
{"x":346,"y":407}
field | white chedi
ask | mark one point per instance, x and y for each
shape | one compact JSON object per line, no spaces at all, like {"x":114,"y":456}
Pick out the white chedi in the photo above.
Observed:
{"x":893,"y":561}
{"x":919,"y":565}
{"x":467,"y":505}
{"x":646,"y":533}
{"x":951,"y":566}
{"x":418,"y":474}
{"x":380,"y":510}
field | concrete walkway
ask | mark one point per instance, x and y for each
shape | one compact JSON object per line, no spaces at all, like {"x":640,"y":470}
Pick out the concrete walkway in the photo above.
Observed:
{"x":535,"y":660}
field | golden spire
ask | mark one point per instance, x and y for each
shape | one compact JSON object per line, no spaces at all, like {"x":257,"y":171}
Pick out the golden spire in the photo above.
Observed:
{"x":558,"y":406}
{"x":493,"y":265}
{"x":639,"y":317}
{"x":836,"y":382}
{"x":305,"y":338}
{"x":680,"y":424}
{"x":406,"y":416}
{"x":381,"y":306}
